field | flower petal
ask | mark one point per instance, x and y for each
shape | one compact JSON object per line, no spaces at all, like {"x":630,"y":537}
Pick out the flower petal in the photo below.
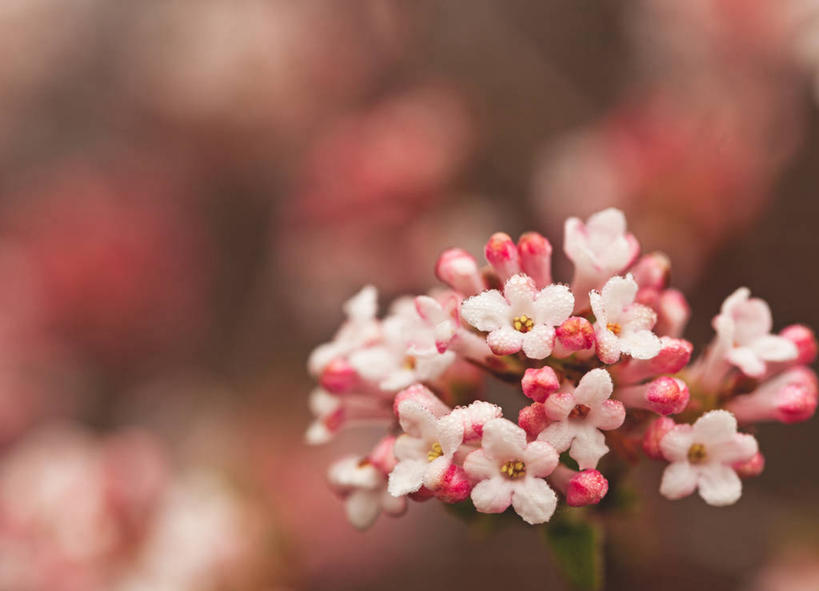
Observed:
{"x":553,"y":305}
{"x":676,"y":443}
{"x":638,"y":317}
{"x":363,"y":508}
{"x":559,"y":435}
{"x":505,"y":341}
{"x":538,"y":342}
{"x":679,"y":480}
{"x":410,"y":448}
{"x":594,"y":387}
{"x":450,"y":433}
{"x":558,"y":406}
{"x":618,"y":292}
{"x":609,"y":415}
{"x":393,"y":505}
{"x":407,"y":477}
{"x":540,"y":458}
{"x":503,"y":440}
{"x":608,"y":345}
{"x":436,"y":469}
{"x":747,"y":361}
{"x":534,"y":500}
{"x":493,"y":495}
{"x":598,"y":308}
{"x":374,"y":363}
{"x":742,"y":447}
{"x":719,"y":485}
{"x":486,"y":311}
{"x":642,"y":344}
{"x":774,"y":348}
{"x":715,"y":426}
{"x":363,"y":305}
{"x":479,"y":466}
{"x":417,"y":420}
{"x":520,"y":292}
{"x":588,"y":447}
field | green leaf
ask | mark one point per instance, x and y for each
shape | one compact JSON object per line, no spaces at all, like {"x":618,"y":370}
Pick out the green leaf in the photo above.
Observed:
{"x":576,"y":545}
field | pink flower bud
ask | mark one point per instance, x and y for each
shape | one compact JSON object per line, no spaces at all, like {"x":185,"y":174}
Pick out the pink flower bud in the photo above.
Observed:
{"x":538,"y":384}
{"x":536,"y":258}
{"x":382,"y":456}
{"x":455,"y":486}
{"x":790,"y":397}
{"x":459,"y":269}
{"x":752,"y":467}
{"x":673,"y":356}
{"x":805,"y":341}
{"x":338,"y":377}
{"x":657,"y":429}
{"x":533,"y":419}
{"x":586,"y":488}
{"x":423,"y":396}
{"x":663,"y":395}
{"x":503,"y":255}
{"x":652,"y":271}
{"x":575,"y":334}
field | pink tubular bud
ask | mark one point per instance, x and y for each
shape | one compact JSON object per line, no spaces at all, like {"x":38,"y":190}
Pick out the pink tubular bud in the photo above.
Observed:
{"x":652,"y":271}
{"x":752,"y":467}
{"x":805,"y":341}
{"x":586,"y":488}
{"x":575,"y":334}
{"x":790,"y":397}
{"x":539,"y":384}
{"x":536,"y":258}
{"x":459,"y":270}
{"x":657,"y":429}
{"x":533,"y":419}
{"x":455,"y":486}
{"x":382,"y":456}
{"x":673,"y":356}
{"x":664,"y":395}
{"x":503,"y":255}
{"x":673,"y":313}
{"x":423,"y":396}
{"x":338,"y":377}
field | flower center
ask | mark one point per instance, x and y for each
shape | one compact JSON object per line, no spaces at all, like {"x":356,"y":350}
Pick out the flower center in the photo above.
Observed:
{"x":435,"y":452}
{"x":697,"y":453}
{"x":580,"y":411}
{"x":523,"y":323}
{"x":514,"y":469}
{"x":409,"y":362}
{"x":364,"y":462}
{"x":614,"y":327}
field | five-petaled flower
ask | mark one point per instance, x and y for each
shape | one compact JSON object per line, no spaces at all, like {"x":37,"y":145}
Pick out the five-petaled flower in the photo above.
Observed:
{"x":364,"y":489}
{"x":579,"y":414}
{"x":621,"y":325}
{"x":510,"y":471}
{"x":703,"y":455}
{"x":521,"y":317}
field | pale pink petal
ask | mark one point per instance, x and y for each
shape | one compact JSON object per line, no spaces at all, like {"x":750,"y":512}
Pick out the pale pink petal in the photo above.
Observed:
{"x":558,"y":406}
{"x":407,"y":477}
{"x":487,"y":311}
{"x":753,"y":319}
{"x":618,"y":292}
{"x":417,"y":420}
{"x":538,"y":342}
{"x":393,"y":505}
{"x":642,"y":344}
{"x":598,"y":308}
{"x":450,"y":433}
{"x":436,"y":469}
{"x":609,"y":415}
{"x":679,"y":480}
{"x":503,"y":440}
{"x":676,"y":443}
{"x":747,"y":361}
{"x":534,"y":500}
{"x":493,"y":495}
{"x":638,"y":317}
{"x":363,"y":305}
{"x":479,"y":466}
{"x":719,"y":485}
{"x":594,"y":387}
{"x":398,"y":380}
{"x":363,"y":507}
{"x":348,"y":473}
{"x":540,"y":458}
{"x":559,"y":435}
{"x":429,"y":309}
{"x":318,"y":433}
{"x":520,"y":292}
{"x":740,"y":448}
{"x":588,"y":447}
{"x":430,"y":366}
{"x":410,"y":448}
{"x":608,"y":345}
{"x":322,"y":356}
{"x":774,"y":348}
{"x":553,"y":305}
{"x":610,"y":222}
{"x":505,"y":341}
{"x":373,"y":363}
{"x":715,"y":426}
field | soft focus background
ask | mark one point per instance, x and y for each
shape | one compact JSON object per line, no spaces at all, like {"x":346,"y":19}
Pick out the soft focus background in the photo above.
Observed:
{"x":190,"y":188}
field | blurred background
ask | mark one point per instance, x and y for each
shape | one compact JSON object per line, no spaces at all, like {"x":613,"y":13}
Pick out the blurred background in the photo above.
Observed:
{"x":189,"y":189}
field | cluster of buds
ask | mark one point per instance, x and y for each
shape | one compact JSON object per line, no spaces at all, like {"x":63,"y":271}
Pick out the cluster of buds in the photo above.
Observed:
{"x":600,"y":363}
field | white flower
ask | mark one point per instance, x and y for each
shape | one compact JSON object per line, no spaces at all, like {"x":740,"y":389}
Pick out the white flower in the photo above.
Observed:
{"x":425,"y":450}
{"x":702,"y":456}
{"x":599,"y":249}
{"x":511,"y":471}
{"x":744,"y":334}
{"x":364,"y":489}
{"x":407,"y":353}
{"x":359,"y":330}
{"x":332,"y":413}
{"x":622,"y":326}
{"x":521,"y":317}
{"x":579,"y":417}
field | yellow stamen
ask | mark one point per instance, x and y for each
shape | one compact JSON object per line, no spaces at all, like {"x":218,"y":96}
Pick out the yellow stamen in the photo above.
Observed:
{"x":614,"y":327}
{"x":435,"y":452}
{"x":580,"y":411}
{"x":523,"y":323}
{"x":697,"y":453}
{"x":513,"y":469}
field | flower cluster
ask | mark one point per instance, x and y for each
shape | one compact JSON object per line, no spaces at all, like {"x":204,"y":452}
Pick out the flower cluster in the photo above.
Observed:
{"x":599,"y":363}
